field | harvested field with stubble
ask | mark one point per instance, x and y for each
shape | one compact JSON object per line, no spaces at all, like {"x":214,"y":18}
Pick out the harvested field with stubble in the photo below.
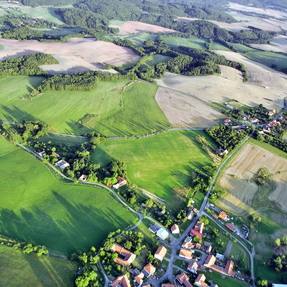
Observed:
{"x":133,"y":27}
{"x":187,"y":101}
{"x":75,"y":55}
{"x":238,"y":179}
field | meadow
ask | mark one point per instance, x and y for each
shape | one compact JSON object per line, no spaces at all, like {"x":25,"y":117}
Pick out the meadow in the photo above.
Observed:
{"x":191,"y":42}
{"x":38,"y":207}
{"x":244,"y":198}
{"x":17,"y":269}
{"x":116,"y":107}
{"x":160,"y":164}
{"x":223,"y":281}
{"x":277,"y":61}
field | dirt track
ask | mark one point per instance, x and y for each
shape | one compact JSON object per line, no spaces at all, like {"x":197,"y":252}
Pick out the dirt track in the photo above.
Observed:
{"x":75,"y":55}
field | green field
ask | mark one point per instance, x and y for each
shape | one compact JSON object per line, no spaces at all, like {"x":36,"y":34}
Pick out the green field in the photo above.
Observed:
{"x":159,"y":164}
{"x":17,"y":269}
{"x":38,"y":207}
{"x":112,"y":108}
{"x":223,"y":281}
{"x":192,"y":42}
{"x":277,"y":61}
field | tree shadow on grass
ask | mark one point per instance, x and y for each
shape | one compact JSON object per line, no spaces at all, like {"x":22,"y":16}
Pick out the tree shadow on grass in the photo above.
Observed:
{"x":14,"y":114}
{"x":82,"y":227}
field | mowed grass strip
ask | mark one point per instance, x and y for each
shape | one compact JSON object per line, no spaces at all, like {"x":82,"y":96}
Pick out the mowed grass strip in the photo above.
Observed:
{"x":17,"y":269}
{"x":160,"y":164}
{"x":38,"y":207}
{"x":116,"y":107}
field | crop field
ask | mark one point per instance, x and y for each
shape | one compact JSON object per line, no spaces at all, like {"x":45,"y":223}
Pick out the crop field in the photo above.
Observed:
{"x":134,"y":27}
{"x":243,"y":197}
{"x":112,"y":108}
{"x":160,"y":164}
{"x":38,"y":207}
{"x":17,"y":269}
{"x":74,"y":55}
{"x":188,"y":101}
{"x":192,"y":42}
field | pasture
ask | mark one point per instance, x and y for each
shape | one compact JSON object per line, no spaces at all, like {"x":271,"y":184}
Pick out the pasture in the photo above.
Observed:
{"x":116,"y":107}
{"x":17,"y":269}
{"x":191,"y":42}
{"x":160,"y":164}
{"x":38,"y":207}
{"x":244,"y":198}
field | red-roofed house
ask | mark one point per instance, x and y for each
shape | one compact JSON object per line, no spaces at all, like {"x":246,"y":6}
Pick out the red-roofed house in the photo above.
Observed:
{"x":187,"y":254}
{"x":125,"y":257}
{"x":183,"y":279}
{"x":138,"y":280}
{"x":149,"y":270}
{"x":197,"y":231}
{"x":200,"y":281}
{"x":160,"y":253}
{"x":121,"y":281}
{"x":174,"y":229}
{"x":193,"y":267}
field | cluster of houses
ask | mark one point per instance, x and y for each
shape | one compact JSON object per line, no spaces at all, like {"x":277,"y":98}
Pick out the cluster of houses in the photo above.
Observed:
{"x":207,"y":259}
{"x":126,"y":258}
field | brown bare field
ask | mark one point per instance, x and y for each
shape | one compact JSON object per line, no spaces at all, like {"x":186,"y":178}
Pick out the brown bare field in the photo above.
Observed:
{"x":187,"y":101}
{"x":237,"y":179}
{"x":134,"y":27}
{"x":185,"y":110}
{"x":75,"y":55}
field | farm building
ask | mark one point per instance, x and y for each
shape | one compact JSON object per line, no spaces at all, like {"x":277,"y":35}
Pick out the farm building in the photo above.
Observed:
{"x":62,"y":164}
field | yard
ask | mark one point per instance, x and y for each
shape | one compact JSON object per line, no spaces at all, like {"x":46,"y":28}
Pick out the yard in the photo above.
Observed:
{"x":161,"y":164}
{"x":223,"y":281}
{"x":17,"y":269}
{"x":112,"y":108}
{"x":38,"y":207}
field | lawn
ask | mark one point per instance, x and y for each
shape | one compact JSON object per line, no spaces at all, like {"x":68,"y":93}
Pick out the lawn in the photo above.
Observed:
{"x":38,"y":207}
{"x":192,"y":42}
{"x":17,"y":269}
{"x":116,"y":107}
{"x":161,"y":164}
{"x":223,"y":281}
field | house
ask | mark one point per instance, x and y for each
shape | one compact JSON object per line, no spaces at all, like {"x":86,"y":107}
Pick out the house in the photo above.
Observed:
{"x":210,"y":261}
{"x":231,"y":226}
{"x":41,"y":153}
{"x":223,"y":216}
{"x":189,"y":214}
{"x":162,"y":233}
{"x":174,"y":229}
{"x":183,"y":279}
{"x":121,"y":182}
{"x":121,"y":281}
{"x":200,"y":281}
{"x":138,"y":280}
{"x":62,"y":164}
{"x":83,"y":177}
{"x":193,"y":267}
{"x":197,"y":231}
{"x":187,"y":254}
{"x":160,"y":253}
{"x":149,"y":270}
{"x":125,"y":257}
{"x":154,"y":228}
{"x":227,"y":270}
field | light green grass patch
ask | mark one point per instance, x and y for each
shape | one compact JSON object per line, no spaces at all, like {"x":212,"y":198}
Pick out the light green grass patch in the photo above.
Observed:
{"x":116,"y":107}
{"x":38,"y":207}
{"x":17,"y":269}
{"x":192,"y":42}
{"x":160,"y":164}
{"x":224,"y":281}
